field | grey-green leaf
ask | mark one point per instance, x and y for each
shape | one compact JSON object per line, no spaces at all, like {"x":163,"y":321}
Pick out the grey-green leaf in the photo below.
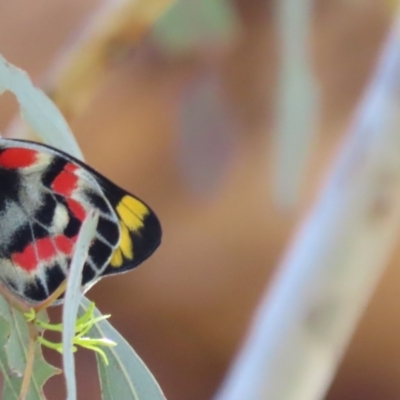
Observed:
{"x":37,"y":109}
{"x":72,"y":298}
{"x":13,"y":349}
{"x":126,"y":377}
{"x":190,"y":23}
{"x":11,"y":384}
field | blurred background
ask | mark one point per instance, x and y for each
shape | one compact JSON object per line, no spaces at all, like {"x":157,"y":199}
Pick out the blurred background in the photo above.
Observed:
{"x":183,"y":116}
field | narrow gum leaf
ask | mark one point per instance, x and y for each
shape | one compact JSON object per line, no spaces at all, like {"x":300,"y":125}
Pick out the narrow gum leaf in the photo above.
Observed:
{"x":37,"y":109}
{"x":13,"y":350}
{"x":73,"y":296}
{"x":126,"y":377}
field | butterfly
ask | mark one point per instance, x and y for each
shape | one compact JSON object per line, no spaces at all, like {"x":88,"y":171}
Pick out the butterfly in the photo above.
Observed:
{"x":45,"y":195}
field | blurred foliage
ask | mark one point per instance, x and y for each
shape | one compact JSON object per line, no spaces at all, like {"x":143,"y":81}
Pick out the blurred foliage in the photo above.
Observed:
{"x":190,"y":24}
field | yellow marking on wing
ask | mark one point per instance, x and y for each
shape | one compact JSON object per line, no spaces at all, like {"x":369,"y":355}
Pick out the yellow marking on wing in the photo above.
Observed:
{"x":116,"y":259}
{"x":132,"y":212}
{"x":135,"y":205}
{"x":126,"y":244}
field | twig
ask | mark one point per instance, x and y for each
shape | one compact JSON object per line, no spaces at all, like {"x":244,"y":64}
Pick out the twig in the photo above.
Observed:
{"x":30,"y":359}
{"x":115,"y":29}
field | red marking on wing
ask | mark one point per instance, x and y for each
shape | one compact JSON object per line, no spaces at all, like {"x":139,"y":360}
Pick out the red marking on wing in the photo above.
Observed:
{"x":18,"y":158}
{"x":64,"y":244}
{"x":26,"y":259}
{"x":77,"y":209}
{"x":70,"y":168}
{"x":46,"y":248}
{"x":66,"y":181}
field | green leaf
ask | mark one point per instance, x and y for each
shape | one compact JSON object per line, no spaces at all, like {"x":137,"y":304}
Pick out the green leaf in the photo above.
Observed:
{"x":188,"y":24}
{"x":14,"y":338}
{"x":73,"y":296}
{"x":126,"y":377}
{"x":38,"y":110}
{"x":11,"y":388}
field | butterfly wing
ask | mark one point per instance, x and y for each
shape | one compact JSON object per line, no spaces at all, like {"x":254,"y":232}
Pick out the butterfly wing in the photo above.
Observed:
{"x":140,"y":230}
{"x":45,"y":198}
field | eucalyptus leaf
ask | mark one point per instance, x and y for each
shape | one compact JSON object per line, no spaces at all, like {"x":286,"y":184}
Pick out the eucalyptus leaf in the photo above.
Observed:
{"x":37,"y":109}
{"x":126,"y":377}
{"x":73,"y":295}
{"x":11,"y":380}
{"x":14,"y":338}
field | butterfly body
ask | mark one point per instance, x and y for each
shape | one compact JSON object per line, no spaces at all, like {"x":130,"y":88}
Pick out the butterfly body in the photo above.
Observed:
{"x":45,"y":195}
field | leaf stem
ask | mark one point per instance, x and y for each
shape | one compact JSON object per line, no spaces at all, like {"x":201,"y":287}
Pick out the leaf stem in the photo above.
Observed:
{"x":30,"y":358}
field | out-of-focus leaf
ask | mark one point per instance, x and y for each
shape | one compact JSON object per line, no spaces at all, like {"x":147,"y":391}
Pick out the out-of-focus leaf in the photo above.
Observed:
{"x":37,"y":109}
{"x":14,"y":339}
{"x":126,"y":377}
{"x":297,"y":109}
{"x":73,"y":296}
{"x":207,"y":136}
{"x":190,"y":23}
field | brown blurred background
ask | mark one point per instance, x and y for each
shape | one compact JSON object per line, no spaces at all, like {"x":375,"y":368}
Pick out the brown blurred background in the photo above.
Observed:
{"x":189,"y":131}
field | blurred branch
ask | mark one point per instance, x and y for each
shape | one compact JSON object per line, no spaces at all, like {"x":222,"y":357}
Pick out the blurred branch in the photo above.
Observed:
{"x":305,"y":321}
{"x":297,"y":101}
{"x":114,"y":30}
